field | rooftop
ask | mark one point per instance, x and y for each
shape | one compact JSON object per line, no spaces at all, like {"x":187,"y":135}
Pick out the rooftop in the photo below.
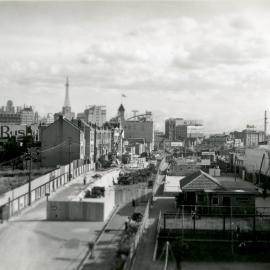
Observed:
{"x":201,"y":181}
{"x":172,"y":183}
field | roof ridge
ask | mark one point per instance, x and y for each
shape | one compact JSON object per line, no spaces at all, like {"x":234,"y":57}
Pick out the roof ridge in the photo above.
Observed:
{"x":211,"y":178}
{"x":70,"y":122}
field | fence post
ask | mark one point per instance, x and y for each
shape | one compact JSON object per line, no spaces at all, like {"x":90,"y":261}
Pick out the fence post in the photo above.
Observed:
{"x":183,"y":215}
{"x":223,"y":223}
{"x":254,"y":222}
{"x":194,"y":220}
{"x":164,"y":221}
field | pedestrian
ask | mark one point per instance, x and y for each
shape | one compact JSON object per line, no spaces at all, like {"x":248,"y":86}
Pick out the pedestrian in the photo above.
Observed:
{"x":84,"y":180}
{"x":133,"y":203}
{"x":237,"y":232}
{"x":264,"y":193}
{"x":126,"y":225}
{"x":152,"y":200}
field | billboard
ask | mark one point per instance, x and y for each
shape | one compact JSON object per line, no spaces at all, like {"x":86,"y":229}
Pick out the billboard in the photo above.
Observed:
{"x":7,"y":131}
{"x":193,"y":122}
{"x":208,"y":153}
{"x":176,"y":144}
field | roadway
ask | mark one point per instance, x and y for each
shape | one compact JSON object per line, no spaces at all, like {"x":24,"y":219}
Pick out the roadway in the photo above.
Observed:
{"x":30,"y":242}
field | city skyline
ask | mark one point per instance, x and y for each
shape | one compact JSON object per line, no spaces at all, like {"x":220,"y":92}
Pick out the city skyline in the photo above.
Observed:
{"x":165,"y":57}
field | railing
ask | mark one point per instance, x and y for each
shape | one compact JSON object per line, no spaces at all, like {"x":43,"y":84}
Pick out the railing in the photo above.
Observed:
{"x":157,"y":234}
{"x":93,"y":245}
{"x":218,"y":219}
{"x":137,"y":238}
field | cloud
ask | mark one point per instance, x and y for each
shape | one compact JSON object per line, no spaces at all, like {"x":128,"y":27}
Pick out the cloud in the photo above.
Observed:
{"x":190,"y":66}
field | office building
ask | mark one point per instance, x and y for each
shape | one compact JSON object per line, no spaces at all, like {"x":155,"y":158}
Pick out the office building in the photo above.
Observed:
{"x":94,"y":114}
{"x":140,"y":129}
{"x":20,"y":116}
{"x":27,"y":116}
{"x":188,"y":131}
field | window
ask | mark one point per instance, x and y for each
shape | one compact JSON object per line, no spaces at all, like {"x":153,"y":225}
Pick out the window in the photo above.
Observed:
{"x":200,"y":198}
{"x":215,"y":200}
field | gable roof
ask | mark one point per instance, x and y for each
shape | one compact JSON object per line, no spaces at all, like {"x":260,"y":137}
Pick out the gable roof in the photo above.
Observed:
{"x":70,"y":123}
{"x":200,"y":181}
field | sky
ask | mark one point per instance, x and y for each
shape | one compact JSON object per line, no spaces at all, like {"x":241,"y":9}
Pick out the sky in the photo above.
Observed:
{"x":206,"y":60}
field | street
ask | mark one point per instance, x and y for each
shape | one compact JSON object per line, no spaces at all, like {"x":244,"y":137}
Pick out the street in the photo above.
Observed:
{"x":29,"y":242}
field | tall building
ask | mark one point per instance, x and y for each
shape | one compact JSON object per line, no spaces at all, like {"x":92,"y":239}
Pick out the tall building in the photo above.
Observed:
{"x":10,"y":108}
{"x":252,"y":138}
{"x":27,"y":116}
{"x":94,"y":114}
{"x":170,"y":128}
{"x":140,"y":130}
{"x":20,"y":116}
{"x":66,"y":110}
{"x":180,"y":129}
{"x":10,"y":118}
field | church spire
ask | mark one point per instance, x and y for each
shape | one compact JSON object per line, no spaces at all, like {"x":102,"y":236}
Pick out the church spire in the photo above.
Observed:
{"x":67,"y":101}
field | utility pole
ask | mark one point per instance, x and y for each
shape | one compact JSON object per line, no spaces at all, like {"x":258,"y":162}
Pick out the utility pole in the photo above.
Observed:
{"x":29,"y":157}
{"x":95,"y":144}
{"x":69,"y":154}
{"x":265,"y":124}
{"x":166,"y":255}
{"x":234,"y":167}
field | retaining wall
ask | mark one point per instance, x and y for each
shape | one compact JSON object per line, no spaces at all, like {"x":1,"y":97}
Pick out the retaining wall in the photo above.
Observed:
{"x":13,"y":201}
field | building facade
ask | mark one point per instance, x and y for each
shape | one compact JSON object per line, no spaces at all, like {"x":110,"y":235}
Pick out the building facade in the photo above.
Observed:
{"x":20,"y":116}
{"x":61,"y":142}
{"x":144,"y":130}
{"x":94,"y":114}
{"x":27,"y":116}
{"x":170,"y":128}
{"x":252,"y":138}
{"x":183,"y":130}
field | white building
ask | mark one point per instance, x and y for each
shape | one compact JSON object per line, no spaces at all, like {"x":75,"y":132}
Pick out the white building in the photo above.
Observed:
{"x":94,"y":114}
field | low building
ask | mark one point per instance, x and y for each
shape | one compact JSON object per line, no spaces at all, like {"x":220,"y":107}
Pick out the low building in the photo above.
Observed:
{"x":183,"y":167}
{"x":223,"y":194}
{"x":217,"y":141}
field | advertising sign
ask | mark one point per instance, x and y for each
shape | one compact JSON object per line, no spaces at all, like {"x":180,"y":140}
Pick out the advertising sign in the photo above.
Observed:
{"x":208,"y":153}
{"x":176,"y":144}
{"x":7,"y":131}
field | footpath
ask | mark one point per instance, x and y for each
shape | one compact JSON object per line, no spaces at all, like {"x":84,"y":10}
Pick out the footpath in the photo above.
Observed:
{"x":144,"y":253}
{"x":103,"y":256}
